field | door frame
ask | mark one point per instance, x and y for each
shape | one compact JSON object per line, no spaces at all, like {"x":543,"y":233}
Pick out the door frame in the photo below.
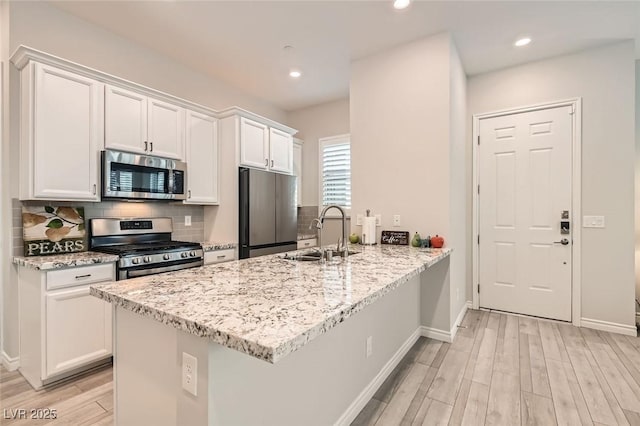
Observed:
{"x":576,"y":191}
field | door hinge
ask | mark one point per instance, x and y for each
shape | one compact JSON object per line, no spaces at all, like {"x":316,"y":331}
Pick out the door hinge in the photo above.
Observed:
{"x":478,"y":189}
{"x":478,"y":139}
{"x":478,"y":288}
{"x":478,"y":238}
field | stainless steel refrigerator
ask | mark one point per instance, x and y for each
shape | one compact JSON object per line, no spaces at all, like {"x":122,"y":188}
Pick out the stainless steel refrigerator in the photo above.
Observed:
{"x":268,"y":216}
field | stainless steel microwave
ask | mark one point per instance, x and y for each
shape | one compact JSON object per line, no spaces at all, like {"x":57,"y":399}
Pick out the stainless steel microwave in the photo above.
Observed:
{"x":134,"y":176}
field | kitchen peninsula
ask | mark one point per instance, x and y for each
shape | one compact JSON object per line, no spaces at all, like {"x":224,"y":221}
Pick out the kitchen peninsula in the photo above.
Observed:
{"x":277,"y":341}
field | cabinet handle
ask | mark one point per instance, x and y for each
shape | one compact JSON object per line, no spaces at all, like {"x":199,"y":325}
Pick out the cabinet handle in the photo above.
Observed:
{"x":271,"y":163}
{"x":151,"y":144}
{"x":222,"y":256}
{"x":189,"y":194}
{"x":266,"y":162}
{"x":94,"y":189}
{"x":306,"y":244}
{"x":146,"y":145}
{"x":79,"y":277}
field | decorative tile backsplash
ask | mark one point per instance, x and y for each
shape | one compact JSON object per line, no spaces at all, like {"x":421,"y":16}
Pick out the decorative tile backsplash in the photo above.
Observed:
{"x":176,"y":211}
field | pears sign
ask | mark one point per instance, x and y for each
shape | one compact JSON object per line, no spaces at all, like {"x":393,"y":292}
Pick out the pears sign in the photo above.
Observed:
{"x":53,"y":230}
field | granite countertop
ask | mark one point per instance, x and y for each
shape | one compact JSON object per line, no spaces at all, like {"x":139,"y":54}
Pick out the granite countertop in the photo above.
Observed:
{"x":59,"y":261}
{"x":269,"y":306}
{"x":307,"y":236}
{"x":217,"y":245}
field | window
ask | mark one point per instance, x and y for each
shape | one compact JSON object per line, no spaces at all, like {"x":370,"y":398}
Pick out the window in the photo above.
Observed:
{"x":335,"y":171}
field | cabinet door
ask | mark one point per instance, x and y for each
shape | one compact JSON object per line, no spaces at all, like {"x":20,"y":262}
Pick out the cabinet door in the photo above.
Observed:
{"x":202,"y":158}
{"x":280,"y":151}
{"x":125,"y":126}
{"x":67,"y":128}
{"x":78,"y":330}
{"x":297,"y":171}
{"x":254,"y":144}
{"x":166,"y":129}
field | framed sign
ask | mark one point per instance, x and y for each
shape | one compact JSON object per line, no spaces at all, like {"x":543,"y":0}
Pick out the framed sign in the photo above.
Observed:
{"x":400,"y":238}
{"x":53,"y":230}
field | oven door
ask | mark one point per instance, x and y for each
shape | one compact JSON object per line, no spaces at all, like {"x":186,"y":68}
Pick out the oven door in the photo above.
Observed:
{"x":142,"y":270}
{"x":127,"y":175}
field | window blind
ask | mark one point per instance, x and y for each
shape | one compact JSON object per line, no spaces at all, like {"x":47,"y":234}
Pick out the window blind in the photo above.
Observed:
{"x":336,"y":174}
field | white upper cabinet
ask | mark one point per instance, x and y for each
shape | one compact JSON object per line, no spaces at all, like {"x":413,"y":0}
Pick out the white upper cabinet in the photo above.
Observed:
{"x":202,"y":158}
{"x":62,"y":124}
{"x":166,"y":127}
{"x":254,"y":144}
{"x":125,"y":120}
{"x":264,"y":147}
{"x":140,"y":124}
{"x":280,"y":151}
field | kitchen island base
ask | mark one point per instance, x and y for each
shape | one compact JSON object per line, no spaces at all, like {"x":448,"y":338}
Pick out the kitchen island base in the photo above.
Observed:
{"x":328,"y":381}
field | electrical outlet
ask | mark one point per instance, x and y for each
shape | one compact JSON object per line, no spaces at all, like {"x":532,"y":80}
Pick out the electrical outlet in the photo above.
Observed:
{"x":396,"y":220}
{"x":187,"y":221}
{"x":190,"y":373}
{"x":378,"y":220}
{"x":359,"y":219}
{"x":369,"y":350}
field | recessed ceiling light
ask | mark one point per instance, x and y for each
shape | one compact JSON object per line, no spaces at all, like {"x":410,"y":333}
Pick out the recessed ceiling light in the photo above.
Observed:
{"x":401,"y":4}
{"x":295,"y":73}
{"x":522,"y":41}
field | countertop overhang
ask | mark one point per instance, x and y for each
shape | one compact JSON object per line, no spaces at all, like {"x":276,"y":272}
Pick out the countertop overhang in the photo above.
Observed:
{"x":268,"y":307}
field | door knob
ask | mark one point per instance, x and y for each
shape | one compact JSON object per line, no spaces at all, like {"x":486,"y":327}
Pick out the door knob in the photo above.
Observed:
{"x":563,"y":241}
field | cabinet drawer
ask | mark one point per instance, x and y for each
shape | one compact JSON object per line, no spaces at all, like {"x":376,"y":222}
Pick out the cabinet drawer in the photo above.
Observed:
{"x":219,"y":256}
{"x":311,"y":242}
{"x":80,"y":276}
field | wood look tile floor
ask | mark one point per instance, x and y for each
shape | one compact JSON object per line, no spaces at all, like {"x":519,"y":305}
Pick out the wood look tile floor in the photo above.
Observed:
{"x":86,"y":400}
{"x":509,"y":370}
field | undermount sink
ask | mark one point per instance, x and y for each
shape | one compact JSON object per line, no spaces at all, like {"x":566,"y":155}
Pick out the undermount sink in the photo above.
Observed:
{"x":314,"y":255}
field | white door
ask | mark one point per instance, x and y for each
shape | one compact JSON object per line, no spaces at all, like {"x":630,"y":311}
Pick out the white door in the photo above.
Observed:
{"x":202,"y":159}
{"x":254,"y":144}
{"x":525,"y":186}
{"x":280,"y":151}
{"x":67,"y":129}
{"x":166,"y":129}
{"x":125,"y":126}
{"x":78,"y":329}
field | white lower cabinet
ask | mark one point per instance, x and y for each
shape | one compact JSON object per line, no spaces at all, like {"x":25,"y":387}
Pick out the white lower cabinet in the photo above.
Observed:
{"x":63,"y":329}
{"x":78,"y":329}
{"x":219,"y":256}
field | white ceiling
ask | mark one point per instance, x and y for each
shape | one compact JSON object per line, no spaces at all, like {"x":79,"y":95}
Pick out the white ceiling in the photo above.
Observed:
{"x":241,"y":42}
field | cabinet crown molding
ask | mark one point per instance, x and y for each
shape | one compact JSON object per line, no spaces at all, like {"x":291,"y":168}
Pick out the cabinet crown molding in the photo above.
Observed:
{"x":229,"y":112}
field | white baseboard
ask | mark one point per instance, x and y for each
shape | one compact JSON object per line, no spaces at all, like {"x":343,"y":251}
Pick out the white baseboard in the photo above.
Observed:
{"x":358,"y":404}
{"x":9,"y":363}
{"x":612,"y":327}
{"x":444,"y":335}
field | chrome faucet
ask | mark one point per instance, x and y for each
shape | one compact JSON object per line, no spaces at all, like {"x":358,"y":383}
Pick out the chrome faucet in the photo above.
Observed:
{"x":342,"y":243}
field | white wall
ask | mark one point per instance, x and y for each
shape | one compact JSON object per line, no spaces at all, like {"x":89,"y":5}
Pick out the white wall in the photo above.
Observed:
{"x":313,"y":123}
{"x":400,"y":136}
{"x":458,"y":179}
{"x":605,"y":79}
{"x":5,"y":197}
{"x":44,"y":27}
{"x":637,"y":223}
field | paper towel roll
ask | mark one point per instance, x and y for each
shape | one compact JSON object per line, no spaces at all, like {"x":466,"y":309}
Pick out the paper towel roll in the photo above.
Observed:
{"x":369,"y":230}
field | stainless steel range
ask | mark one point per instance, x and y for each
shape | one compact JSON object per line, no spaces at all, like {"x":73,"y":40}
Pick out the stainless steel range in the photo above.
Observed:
{"x":144,"y":246}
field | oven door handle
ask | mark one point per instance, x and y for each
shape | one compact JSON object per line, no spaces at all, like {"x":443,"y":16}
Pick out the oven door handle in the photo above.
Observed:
{"x":132,"y":273}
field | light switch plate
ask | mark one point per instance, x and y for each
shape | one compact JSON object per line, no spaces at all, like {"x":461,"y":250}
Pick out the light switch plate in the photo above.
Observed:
{"x":593,"y":222}
{"x":187,"y":221}
{"x":378,"y":220}
{"x":359,"y":219}
{"x":396,"y":220}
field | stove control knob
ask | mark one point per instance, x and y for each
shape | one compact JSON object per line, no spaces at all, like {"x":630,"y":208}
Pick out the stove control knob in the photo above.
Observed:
{"x":166,"y":257}
{"x":183,"y":254}
{"x":146,"y":259}
{"x":135,"y":260}
{"x":192,"y":253}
